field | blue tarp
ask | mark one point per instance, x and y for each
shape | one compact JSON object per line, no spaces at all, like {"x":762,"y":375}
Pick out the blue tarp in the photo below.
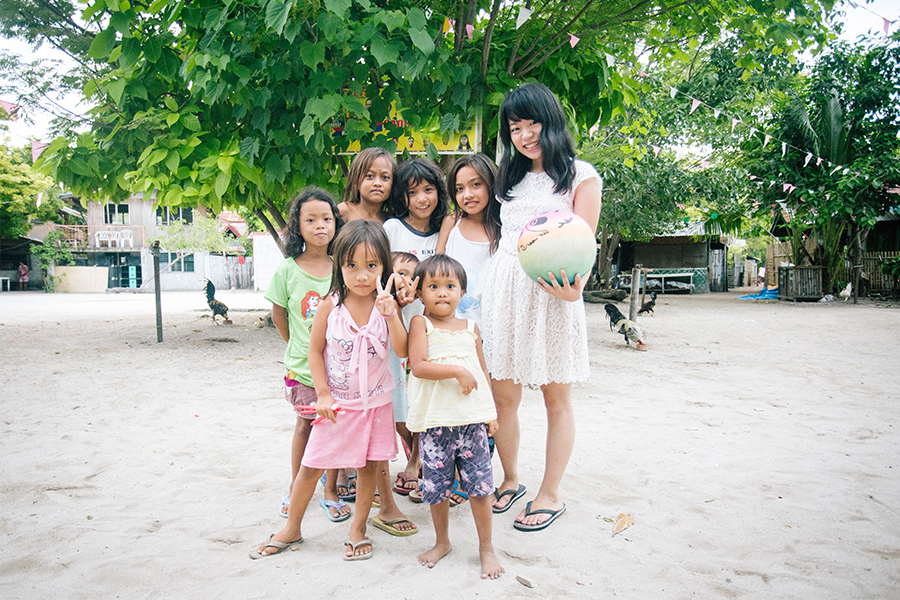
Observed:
{"x":766,"y":294}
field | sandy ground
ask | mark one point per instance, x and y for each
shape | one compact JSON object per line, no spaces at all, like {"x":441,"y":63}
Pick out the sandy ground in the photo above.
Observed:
{"x":756,"y":445}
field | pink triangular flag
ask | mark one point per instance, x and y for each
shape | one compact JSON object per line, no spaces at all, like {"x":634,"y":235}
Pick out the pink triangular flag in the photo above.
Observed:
{"x":835,"y":170}
{"x":572,"y":40}
{"x":694,"y":105}
{"x":704,"y":164}
{"x":767,"y":140}
{"x":37,"y":148}
{"x":642,"y":74}
{"x":752,"y":177}
{"x":887,"y":25}
{"x":470,"y":29}
{"x":785,"y":187}
{"x":828,"y":196}
{"x":733,"y":123}
{"x":818,"y":161}
{"x":656,"y":150}
{"x":11,"y":109}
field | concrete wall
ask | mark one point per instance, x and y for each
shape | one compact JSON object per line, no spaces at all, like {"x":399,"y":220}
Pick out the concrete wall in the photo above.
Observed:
{"x":82,"y":279}
{"x":266,"y":258}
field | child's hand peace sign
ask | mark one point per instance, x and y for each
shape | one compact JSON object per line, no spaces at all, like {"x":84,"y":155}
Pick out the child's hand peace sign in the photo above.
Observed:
{"x":384,"y":302}
{"x":406,"y":291}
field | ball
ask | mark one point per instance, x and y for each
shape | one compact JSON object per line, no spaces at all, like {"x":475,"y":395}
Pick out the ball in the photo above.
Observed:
{"x":554,"y":241}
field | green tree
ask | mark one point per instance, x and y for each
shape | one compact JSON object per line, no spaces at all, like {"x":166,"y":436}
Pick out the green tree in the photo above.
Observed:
{"x":19,"y":189}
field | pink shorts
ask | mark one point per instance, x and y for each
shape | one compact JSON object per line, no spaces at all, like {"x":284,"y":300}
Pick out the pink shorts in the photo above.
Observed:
{"x":300,"y":395}
{"x":354,"y":439}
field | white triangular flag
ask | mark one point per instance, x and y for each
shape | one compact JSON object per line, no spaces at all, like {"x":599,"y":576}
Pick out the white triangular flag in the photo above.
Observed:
{"x":716,"y":113}
{"x":694,"y":105}
{"x":808,"y":158}
{"x":766,"y":141}
{"x":783,"y":148}
{"x":733,"y":123}
{"x":673,"y":92}
{"x":38,"y":201}
{"x":524,"y":15}
{"x":835,"y":170}
{"x":656,"y":150}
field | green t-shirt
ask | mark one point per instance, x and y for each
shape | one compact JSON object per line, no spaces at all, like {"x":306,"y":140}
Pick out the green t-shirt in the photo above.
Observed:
{"x":300,"y":293}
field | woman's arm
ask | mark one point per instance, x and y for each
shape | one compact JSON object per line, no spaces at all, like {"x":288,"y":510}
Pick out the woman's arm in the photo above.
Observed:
{"x":587,"y":206}
{"x":279,"y":319}
{"x":423,"y":369}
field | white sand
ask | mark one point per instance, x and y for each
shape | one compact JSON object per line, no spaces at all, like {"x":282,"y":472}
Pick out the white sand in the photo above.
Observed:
{"x":756,"y":445}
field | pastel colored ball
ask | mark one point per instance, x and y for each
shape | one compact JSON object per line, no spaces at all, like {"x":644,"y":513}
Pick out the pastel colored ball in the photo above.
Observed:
{"x":554,"y":241}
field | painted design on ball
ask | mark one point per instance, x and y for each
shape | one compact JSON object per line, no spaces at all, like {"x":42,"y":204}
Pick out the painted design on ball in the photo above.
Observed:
{"x":554,"y":241}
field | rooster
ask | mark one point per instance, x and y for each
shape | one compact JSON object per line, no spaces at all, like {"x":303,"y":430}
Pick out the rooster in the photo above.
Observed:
{"x":648,"y":306}
{"x":629,"y":329}
{"x":215,"y":306}
{"x":845,"y":293}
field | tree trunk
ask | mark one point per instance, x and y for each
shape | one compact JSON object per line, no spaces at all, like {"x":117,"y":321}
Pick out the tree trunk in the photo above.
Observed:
{"x":608,"y":244}
{"x":276,"y":214}
{"x":271,"y":229}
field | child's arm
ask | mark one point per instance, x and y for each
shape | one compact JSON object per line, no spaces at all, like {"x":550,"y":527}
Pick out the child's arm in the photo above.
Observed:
{"x":279,"y":319}
{"x":444,"y":235}
{"x":387,"y":306}
{"x":317,"y":359}
{"x":423,"y":369}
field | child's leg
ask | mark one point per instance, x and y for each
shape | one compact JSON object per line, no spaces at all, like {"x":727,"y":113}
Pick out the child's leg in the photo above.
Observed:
{"x":481,"y":510}
{"x":298,"y":445}
{"x":389,"y":510}
{"x":408,"y":478}
{"x":507,"y":396}
{"x":302,"y":491}
{"x":440,"y":514}
{"x":560,"y":441}
{"x":365,"y":491}
{"x":331,"y":493}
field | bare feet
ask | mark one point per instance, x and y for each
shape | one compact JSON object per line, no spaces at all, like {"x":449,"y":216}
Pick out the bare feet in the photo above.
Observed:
{"x":431,"y":558}
{"x":490,"y":566}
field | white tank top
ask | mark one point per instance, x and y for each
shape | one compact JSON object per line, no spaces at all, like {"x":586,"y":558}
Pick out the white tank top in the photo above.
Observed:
{"x":474,"y":257}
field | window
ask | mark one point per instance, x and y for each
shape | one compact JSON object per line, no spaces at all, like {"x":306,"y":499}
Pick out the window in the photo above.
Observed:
{"x":116,"y":214}
{"x":166,"y":215}
{"x":186,"y":264}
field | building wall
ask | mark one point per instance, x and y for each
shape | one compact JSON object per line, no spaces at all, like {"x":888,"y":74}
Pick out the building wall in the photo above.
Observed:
{"x":82,"y":279}
{"x":266,"y":258}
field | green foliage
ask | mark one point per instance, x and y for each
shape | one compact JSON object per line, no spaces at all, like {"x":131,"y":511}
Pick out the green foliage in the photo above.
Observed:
{"x":51,"y":252}
{"x":19,"y":187}
{"x":203,"y":234}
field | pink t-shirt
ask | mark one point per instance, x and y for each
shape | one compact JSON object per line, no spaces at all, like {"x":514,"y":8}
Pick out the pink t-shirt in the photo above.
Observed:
{"x":357,"y":359}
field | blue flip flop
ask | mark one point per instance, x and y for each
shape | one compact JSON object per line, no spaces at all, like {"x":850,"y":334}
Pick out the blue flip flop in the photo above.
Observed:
{"x":554,"y":514}
{"x":458,"y":492}
{"x":286,"y":501}
{"x":516,"y":494}
{"x":327,"y":505}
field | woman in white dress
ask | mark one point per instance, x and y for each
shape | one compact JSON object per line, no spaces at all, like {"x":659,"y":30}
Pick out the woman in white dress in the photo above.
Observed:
{"x":535,"y":333}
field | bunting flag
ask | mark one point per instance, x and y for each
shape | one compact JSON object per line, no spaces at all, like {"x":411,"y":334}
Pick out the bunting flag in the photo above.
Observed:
{"x":753,"y":178}
{"x":819,"y":161}
{"x":887,"y":25}
{"x":572,"y":40}
{"x":694,"y":104}
{"x":716,"y":113}
{"x":470,"y":29}
{"x":37,"y":203}
{"x":11,"y":109}
{"x":808,"y":158}
{"x":37,"y":148}
{"x":656,"y":150}
{"x":447,"y":27}
{"x":733,"y":123}
{"x":673,"y":92}
{"x":835,"y":170}
{"x":524,"y":15}
{"x":766,"y":141}
{"x":610,"y":60}
{"x":783,"y":149}
{"x":704,"y":164}
{"x":785,"y":187}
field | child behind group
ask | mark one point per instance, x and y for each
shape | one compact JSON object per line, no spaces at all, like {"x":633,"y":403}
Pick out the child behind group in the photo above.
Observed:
{"x":418,"y":207}
{"x":472,"y":236}
{"x":368,"y":186}
{"x":348,"y":359}
{"x":298,"y":286}
{"x":452,"y":408}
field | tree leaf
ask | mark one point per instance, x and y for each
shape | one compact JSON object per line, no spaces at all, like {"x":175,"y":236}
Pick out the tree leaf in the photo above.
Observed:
{"x":156,"y":156}
{"x":623,"y":522}
{"x":116,"y":88}
{"x":191,"y":122}
{"x":277,"y":14}
{"x":416,"y":18}
{"x":277,"y":167}
{"x":103,"y":43}
{"x":422,"y":40}
{"x":172,"y":161}
{"x":382,"y":52}
{"x":172,"y":118}
{"x":170,"y":103}
{"x":222,"y":181}
{"x":338,"y":7}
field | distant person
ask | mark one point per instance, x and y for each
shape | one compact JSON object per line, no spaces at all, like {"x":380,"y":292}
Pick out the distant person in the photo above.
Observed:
{"x":23,"y":276}
{"x":761,"y":278}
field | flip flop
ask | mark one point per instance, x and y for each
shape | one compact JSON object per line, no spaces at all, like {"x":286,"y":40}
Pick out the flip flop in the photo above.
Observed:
{"x":286,"y":501}
{"x":348,"y":496}
{"x":389,"y":526}
{"x":356,"y":545}
{"x":255,"y":553}
{"x":400,"y":482}
{"x":540,"y":511}
{"x":516,"y":494}
{"x":416,"y":494}
{"x":327,"y":505}
{"x":458,"y":492}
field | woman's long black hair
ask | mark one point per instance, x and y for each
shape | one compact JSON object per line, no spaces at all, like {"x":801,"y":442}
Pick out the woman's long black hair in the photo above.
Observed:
{"x":535,"y":102}
{"x":413,"y":172}
{"x":295,"y":245}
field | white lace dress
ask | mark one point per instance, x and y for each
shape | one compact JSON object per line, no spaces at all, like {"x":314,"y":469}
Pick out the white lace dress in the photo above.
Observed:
{"x":530,"y":336}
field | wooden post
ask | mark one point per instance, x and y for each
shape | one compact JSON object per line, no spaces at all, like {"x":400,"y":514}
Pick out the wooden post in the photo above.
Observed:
{"x":154,"y":252}
{"x":635,"y":278}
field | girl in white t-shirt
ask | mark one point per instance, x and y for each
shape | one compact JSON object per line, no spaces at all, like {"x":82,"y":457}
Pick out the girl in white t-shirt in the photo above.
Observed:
{"x":472,"y":236}
{"x":418,"y":207}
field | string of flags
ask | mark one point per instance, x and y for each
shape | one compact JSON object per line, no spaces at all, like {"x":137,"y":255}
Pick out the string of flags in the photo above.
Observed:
{"x":885,"y":23}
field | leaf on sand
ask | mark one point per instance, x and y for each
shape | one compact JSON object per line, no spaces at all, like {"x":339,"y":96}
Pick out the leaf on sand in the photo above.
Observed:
{"x":623,"y":522}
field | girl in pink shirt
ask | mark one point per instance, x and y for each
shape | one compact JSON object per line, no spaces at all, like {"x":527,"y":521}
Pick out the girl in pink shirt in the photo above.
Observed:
{"x":348,"y":359}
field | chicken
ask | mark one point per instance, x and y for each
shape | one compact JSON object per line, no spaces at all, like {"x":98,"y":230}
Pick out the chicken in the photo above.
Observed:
{"x":846,"y":292}
{"x":629,"y":329}
{"x":215,"y":306}
{"x":648,"y":307}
